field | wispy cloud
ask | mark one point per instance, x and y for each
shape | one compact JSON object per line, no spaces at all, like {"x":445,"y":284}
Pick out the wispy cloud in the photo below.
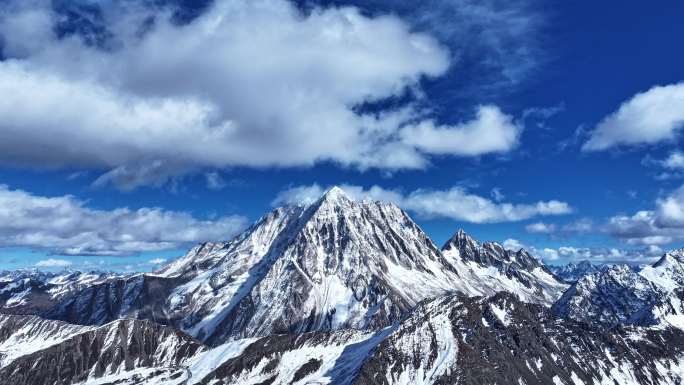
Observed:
{"x":675,"y":161}
{"x":495,"y":44}
{"x":215,"y":181}
{"x":497,"y":195}
{"x":669,"y":168}
{"x":54,"y":263}
{"x":579,"y":226}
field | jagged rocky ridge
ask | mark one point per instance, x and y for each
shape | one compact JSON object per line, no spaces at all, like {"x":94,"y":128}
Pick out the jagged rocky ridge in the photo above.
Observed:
{"x":335,"y":264}
{"x":513,"y":271}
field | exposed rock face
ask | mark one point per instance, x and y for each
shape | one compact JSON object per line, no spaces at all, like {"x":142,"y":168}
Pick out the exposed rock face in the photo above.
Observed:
{"x":572,"y":272}
{"x":457,"y":339}
{"x":453,"y":338}
{"x":346,"y":292}
{"x":121,"y":346}
{"x":667,"y":272}
{"x":24,"y":292}
{"x":617,"y":295}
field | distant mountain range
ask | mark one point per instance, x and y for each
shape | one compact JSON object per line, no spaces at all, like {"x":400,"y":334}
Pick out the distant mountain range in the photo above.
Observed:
{"x":346,"y":292}
{"x":621,"y":295}
{"x":572,"y":272}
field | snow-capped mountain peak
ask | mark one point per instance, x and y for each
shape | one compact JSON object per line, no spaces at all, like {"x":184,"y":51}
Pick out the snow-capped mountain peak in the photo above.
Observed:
{"x":336,"y":263}
{"x":488,"y":253}
{"x":671,"y":257}
{"x":668,"y":272}
{"x":461,"y":242}
{"x":333,"y":264}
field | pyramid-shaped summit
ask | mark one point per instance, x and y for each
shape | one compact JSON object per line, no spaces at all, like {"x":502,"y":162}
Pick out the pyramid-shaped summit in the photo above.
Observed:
{"x":334,"y":264}
{"x":333,"y":197}
{"x":335,"y":193}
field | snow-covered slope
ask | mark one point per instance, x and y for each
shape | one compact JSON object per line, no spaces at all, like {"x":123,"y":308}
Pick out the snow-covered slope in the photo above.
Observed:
{"x":309,"y":358}
{"x":667,"y":311}
{"x":448,"y":340}
{"x":24,"y":292}
{"x":616,"y":295}
{"x":500,"y":340}
{"x":21,"y":335}
{"x":668,"y":272}
{"x":460,"y":340}
{"x":491,"y":268}
{"x":121,"y":348}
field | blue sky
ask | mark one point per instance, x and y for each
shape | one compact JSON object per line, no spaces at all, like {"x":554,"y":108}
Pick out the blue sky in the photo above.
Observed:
{"x":132,"y":130}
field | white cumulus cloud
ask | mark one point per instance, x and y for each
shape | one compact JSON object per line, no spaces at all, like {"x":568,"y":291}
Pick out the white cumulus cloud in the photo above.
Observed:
{"x":65,"y":226}
{"x":491,"y":131}
{"x":653,"y":116}
{"x":662,"y":225}
{"x":247,"y":83}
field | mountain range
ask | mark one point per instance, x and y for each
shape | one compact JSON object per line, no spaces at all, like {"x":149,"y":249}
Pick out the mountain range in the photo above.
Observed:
{"x":572,"y":272}
{"x":346,"y":291}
